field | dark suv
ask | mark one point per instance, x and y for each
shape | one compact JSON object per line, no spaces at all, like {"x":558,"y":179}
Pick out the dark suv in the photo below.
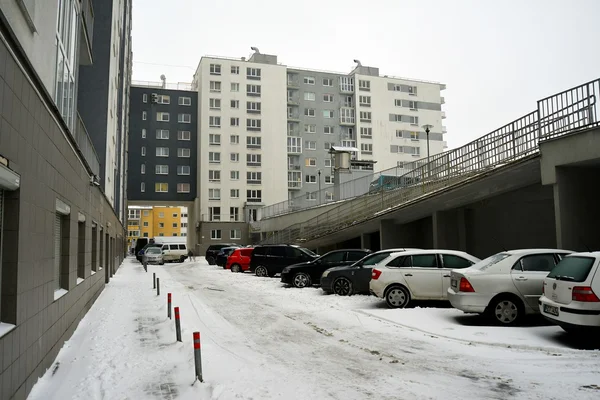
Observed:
{"x":213,"y":250}
{"x":272,"y":259}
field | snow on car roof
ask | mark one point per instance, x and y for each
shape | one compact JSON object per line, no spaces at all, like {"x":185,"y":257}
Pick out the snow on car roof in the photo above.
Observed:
{"x":533,"y":251}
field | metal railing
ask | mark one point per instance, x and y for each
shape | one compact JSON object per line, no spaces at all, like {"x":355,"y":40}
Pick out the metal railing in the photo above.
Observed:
{"x":159,"y":85}
{"x":557,"y":115}
{"x":82,"y":137}
{"x":87,"y":9}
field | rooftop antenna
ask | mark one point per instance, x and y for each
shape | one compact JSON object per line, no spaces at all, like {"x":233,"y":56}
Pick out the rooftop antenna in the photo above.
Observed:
{"x":163,"y":78}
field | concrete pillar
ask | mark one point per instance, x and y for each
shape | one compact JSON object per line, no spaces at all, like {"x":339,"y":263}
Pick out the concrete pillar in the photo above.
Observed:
{"x":365,"y":241}
{"x":449,"y":230}
{"x":387,"y":233}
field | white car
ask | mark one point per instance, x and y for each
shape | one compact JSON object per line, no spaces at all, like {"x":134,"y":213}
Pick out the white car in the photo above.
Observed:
{"x":154,"y":255}
{"x":505,"y":286}
{"x":174,"y":252}
{"x":571,"y":293}
{"x":416,"y":275}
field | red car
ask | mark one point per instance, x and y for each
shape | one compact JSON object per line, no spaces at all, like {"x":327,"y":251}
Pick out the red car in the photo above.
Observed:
{"x":239,"y":260}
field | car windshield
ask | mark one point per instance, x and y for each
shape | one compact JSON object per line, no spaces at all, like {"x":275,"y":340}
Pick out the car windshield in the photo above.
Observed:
{"x":310,"y":253}
{"x":491,"y":260}
{"x":153,"y":250}
{"x":574,"y":269}
{"x":371,"y":259}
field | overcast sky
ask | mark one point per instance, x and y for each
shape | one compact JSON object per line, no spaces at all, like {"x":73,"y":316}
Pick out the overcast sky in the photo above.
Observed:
{"x":497,"y":58}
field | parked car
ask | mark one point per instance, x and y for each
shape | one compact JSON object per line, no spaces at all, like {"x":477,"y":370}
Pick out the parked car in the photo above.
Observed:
{"x":213,"y":250}
{"x":309,"y":272}
{"x":239,"y":260}
{"x":221,"y":259}
{"x":270,"y":260}
{"x":174,"y":252}
{"x":416,"y":275}
{"x":139,"y":245}
{"x":154,"y":255}
{"x":571,"y":292}
{"x":505,"y":286}
{"x":140,"y":253}
{"x":355,"y":278}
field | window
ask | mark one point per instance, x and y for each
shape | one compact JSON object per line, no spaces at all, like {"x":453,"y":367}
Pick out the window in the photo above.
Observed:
{"x":235,"y":87}
{"x":310,"y":178}
{"x":329,"y":179}
{"x":253,"y":142}
{"x":310,"y":128}
{"x":309,"y":96}
{"x":253,"y":160}
{"x":215,"y":86}
{"x":328,"y":196}
{"x":235,"y":70}
{"x":366,"y":148}
{"x":234,"y":157}
{"x":235,"y":234}
{"x":145,"y":98}
{"x":214,"y":104}
{"x":183,"y":188}
{"x":214,"y":122}
{"x":234,"y":193}
{"x":214,"y":194}
{"x":144,"y":115}
{"x":253,"y":124}
{"x":143,"y":187}
{"x":310,"y":145}
{"x":328,"y":162}
{"x":162,"y":133}
{"x":346,"y":84}
{"x":162,"y":152}
{"x":366,"y":132}
{"x":309,"y":112}
{"x":328,"y":130}
{"x":365,"y":116}
{"x":215,"y":234}
{"x":311,"y":196}
{"x":415,"y":151}
{"x":184,"y":135}
{"x":143,"y":169}
{"x":146,"y":224}
{"x":234,"y":139}
{"x":310,"y":162}
{"x":161,"y":187}
{"x":327,"y":113}
{"x":234,"y":175}
{"x":66,"y":64}
{"x":364,"y":85}
{"x":185,"y":153}
{"x":234,"y":213}
{"x":174,"y":225}
{"x":234,"y":121}
{"x":309,"y":80}
{"x":214,"y":213}
{"x":364,"y":101}
{"x":161,"y":215}
{"x":215,"y":69}
{"x":253,"y":178}
{"x":162,"y":116}
{"x":253,"y":196}
{"x":234,"y":104}
{"x":413,"y":120}
{"x":185,"y":101}
{"x":183,"y":170}
{"x":214,"y":139}
{"x":253,"y":107}
{"x":294,"y":144}
{"x":253,"y":73}
{"x":214,"y":176}
{"x":163,"y":99}
{"x":253,"y":90}
{"x":161,"y":170}
{"x":347,"y":115}
{"x":214,"y":157}
{"x":455,"y":262}
{"x":328,"y":98}
{"x":327,"y":82}
{"x":143,"y":133}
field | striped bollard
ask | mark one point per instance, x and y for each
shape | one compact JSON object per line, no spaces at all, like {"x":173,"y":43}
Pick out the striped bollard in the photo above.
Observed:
{"x":177,"y":324}
{"x":169,"y":305}
{"x":198,"y":356}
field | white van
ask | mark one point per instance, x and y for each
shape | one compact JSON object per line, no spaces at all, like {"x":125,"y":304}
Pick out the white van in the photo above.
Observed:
{"x":174,"y":252}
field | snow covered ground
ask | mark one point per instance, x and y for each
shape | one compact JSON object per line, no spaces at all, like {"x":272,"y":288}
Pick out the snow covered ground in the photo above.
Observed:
{"x":263,"y":341}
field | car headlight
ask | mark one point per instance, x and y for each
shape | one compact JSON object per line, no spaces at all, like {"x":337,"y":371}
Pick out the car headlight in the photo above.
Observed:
{"x":285,"y":271}
{"x":325,"y":274}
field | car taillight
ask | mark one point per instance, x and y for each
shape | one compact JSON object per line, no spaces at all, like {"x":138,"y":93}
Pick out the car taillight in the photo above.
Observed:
{"x":375,"y":274}
{"x":585,"y":294}
{"x":465,"y":285}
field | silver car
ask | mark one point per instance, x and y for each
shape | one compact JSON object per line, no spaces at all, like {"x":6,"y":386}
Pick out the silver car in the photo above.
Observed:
{"x":154,"y":255}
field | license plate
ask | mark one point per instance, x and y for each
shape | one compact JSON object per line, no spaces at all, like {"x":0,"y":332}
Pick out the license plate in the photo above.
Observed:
{"x":551,"y":309}
{"x":454,"y":282}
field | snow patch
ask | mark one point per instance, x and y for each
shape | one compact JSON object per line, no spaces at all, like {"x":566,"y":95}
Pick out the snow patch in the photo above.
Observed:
{"x":59,"y":293}
{"x":5,"y":328}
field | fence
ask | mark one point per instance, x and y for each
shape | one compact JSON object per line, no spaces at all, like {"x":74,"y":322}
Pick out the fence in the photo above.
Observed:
{"x":161,"y":85}
{"x":556,"y":115}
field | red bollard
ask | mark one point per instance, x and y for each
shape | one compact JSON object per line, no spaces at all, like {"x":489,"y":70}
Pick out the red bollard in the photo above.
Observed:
{"x":169,"y":305}
{"x":177,"y":325}
{"x":198,"y":356}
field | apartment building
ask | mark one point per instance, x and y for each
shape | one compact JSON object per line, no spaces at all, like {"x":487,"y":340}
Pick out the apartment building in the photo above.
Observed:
{"x":241,"y":144}
{"x":149,"y":222}
{"x":163,"y":144}
{"x":52,"y":196}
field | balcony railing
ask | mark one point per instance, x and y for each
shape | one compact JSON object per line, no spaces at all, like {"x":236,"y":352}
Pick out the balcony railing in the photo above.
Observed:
{"x":84,"y":142}
{"x":294,"y":184}
{"x":87,"y":32}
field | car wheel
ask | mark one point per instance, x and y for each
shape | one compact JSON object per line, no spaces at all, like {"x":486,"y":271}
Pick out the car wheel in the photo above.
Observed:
{"x":236,"y":268}
{"x":261,"y":271}
{"x":342,"y":287}
{"x":397,"y":297}
{"x":161,"y":263}
{"x":181,"y":259}
{"x":506,"y":310}
{"x":301,"y":280}
{"x":210,"y":260}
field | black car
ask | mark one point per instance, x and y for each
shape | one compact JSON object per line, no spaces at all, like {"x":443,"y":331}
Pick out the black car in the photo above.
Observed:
{"x":355,"y":278}
{"x":269,"y":260}
{"x":213,"y":251}
{"x":309,"y":273}
{"x":223,"y":254}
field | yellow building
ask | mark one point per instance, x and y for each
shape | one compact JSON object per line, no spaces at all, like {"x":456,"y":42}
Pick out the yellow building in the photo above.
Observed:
{"x":153,"y":221}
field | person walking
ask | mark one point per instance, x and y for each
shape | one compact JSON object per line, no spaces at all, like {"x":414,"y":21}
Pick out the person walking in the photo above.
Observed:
{"x":145,"y":263}
{"x":191,"y":255}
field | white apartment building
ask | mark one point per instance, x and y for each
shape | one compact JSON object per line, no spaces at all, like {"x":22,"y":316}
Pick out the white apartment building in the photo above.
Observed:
{"x":183,"y":221}
{"x":241,"y":144}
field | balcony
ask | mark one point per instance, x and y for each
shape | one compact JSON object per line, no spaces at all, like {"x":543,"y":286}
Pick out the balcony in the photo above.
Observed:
{"x":443,"y":114}
{"x":294,"y":167}
{"x":293,"y":117}
{"x":293,"y":83}
{"x":295,"y":185}
{"x":347,"y":116}
{"x":294,"y":180}
{"x":292,"y":102}
{"x":86,"y":34}
{"x":86,"y":147}
{"x":442,"y":100}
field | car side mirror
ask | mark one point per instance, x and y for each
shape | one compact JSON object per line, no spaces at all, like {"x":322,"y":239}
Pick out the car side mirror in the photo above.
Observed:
{"x":163,"y":252}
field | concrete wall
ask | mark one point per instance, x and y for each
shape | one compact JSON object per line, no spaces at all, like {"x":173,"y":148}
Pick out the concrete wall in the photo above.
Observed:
{"x":36,"y":143}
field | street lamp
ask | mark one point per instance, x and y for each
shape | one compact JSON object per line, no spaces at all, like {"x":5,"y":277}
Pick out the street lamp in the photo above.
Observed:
{"x":319,"y":172}
{"x":427,"y":128}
